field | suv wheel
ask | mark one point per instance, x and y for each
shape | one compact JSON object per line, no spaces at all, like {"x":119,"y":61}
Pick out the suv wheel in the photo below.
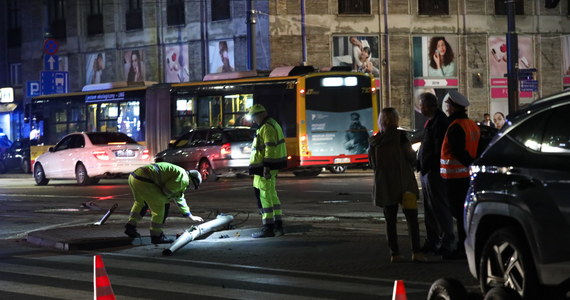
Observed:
{"x":506,"y":261}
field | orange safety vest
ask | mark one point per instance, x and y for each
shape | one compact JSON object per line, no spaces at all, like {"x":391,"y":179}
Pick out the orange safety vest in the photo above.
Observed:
{"x":450,"y":167}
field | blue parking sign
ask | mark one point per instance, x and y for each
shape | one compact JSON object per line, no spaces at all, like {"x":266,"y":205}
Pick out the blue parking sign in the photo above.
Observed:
{"x":33,"y":89}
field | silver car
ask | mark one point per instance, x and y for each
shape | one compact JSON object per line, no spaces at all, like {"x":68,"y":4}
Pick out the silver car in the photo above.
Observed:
{"x":212,"y":151}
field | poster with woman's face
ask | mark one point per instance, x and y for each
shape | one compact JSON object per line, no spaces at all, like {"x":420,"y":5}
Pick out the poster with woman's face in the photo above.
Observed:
{"x":95,"y":68}
{"x":221,"y":55}
{"x":498,"y":55}
{"x":176,"y":63}
{"x":360,"y":53}
{"x":434,"y":56}
{"x":133,"y":62}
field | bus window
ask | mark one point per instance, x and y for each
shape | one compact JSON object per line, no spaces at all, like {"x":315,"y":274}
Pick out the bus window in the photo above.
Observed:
{"x":92,"y":117}
{"x":209,"y":111}
{"x":107,"y":117}
{"x":235,"y":108}
{"x":185,"y":116}
{"x":129,"y":119}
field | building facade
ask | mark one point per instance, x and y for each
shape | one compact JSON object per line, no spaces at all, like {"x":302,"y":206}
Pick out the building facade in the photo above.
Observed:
{"x":403,"y":36}
{"x":410,"y":46}
{"x":100,"y":41}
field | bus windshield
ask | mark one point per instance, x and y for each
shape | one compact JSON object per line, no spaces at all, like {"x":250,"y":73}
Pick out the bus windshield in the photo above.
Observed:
{"x":339,"y":115}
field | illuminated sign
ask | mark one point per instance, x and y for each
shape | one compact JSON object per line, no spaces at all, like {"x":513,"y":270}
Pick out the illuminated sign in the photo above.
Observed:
{"x":105,"y":97}
{"x":6,"y":95}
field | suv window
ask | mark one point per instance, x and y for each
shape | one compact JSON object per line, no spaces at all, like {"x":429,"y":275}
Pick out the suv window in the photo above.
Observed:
{"x":557,"y":132}
{"x":530,"y":132}
{"x":102,"y":138}
{"x":245,"y":135}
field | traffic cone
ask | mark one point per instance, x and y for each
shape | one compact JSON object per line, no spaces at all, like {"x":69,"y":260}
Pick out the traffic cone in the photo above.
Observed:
{"x":102,"y":289}
{"x":399,"y":291}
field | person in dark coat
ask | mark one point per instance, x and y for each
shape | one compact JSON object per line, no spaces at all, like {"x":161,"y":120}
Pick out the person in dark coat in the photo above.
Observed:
{"x":392,"y":158}
{"x":438,"y":219}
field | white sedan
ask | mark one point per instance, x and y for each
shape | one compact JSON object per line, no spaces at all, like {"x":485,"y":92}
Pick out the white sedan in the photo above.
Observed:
{"x":90,"y":156}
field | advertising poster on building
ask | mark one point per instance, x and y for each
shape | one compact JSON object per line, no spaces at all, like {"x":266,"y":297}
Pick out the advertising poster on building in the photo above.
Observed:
{"x":133,"y":62}
{"x":434,"y":56}
{"x":221,"y":56}
{"x":334,"y":133}
{"x":360,"y":53}
{"x":176,"y":63}
{"x":566,"y":61}
{"x":95,"y":72}
{"x":498,"y":69}
{"x":435,"y":70}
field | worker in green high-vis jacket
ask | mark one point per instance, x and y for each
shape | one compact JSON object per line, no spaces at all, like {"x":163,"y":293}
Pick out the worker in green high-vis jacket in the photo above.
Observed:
{"x":268,"y":156}
{"x":154,"y":186}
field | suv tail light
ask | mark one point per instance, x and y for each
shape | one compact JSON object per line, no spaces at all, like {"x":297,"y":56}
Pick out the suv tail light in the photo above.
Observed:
{"x":226,"y":150}
{"x":145,"y":154}
{"x":100,"y":154}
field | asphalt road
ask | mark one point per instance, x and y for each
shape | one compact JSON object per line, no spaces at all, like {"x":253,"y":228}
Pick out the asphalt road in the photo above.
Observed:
{"x":335,"y":247}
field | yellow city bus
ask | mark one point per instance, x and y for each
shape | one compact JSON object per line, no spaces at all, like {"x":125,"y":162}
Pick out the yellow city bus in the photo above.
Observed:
{"x":326,"y":117}
{"x":112,"y":107}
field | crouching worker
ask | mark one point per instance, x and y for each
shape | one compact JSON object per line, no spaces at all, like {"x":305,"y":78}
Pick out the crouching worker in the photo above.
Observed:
{"x":154,"y":186}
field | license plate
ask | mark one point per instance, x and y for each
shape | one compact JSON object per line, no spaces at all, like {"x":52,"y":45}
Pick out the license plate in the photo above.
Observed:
{"x":125,"y":153}
{"x":343,"y":160}
{"x":246,"y":150}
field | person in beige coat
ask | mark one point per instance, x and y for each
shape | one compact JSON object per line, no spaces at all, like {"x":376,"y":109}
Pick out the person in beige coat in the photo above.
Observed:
{"x":392,"y":158}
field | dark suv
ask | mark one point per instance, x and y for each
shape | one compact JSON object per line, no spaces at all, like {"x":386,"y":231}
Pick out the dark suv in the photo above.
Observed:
{"x":517,"y":210}
{"x":17,"y":157}
{"x":212,"y":151}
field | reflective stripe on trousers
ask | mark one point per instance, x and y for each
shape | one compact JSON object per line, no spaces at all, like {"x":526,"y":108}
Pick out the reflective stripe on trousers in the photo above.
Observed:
{"x":270,"y":204}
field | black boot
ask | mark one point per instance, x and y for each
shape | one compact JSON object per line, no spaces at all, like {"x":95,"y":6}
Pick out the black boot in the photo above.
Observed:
{"x":279,"y":228}
{"x":131,"y":231}
{"x":266,"y":231}
{"x":161,"y":239}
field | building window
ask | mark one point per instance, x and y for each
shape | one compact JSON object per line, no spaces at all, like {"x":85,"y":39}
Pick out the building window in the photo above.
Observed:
{"x":95,"y":18}
{"x":56,"y":19}
{"x":433,"y":7}
{"x":14,"y":33}
{"x":133,"y":17}
{"x":16,"y":74}
{"x":220,"y":10}
{"x":175,"y":13}
{"x":354,"y":7}
{"x":501,"y":7}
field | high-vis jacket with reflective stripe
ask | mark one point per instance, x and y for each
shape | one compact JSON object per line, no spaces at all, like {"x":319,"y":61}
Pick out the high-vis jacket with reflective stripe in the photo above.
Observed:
{"x":171,"y":179}
{"x":269,"y":148}
{"x":450,"y":166}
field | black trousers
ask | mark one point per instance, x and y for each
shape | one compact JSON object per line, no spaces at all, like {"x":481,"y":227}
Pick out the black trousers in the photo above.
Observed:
{"x":456,"y":193}
{"x":391,"y":215}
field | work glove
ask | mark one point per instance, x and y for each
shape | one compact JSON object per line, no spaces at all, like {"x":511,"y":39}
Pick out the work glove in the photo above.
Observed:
{"x":266,"y":173}
{"x":195,"y":218}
